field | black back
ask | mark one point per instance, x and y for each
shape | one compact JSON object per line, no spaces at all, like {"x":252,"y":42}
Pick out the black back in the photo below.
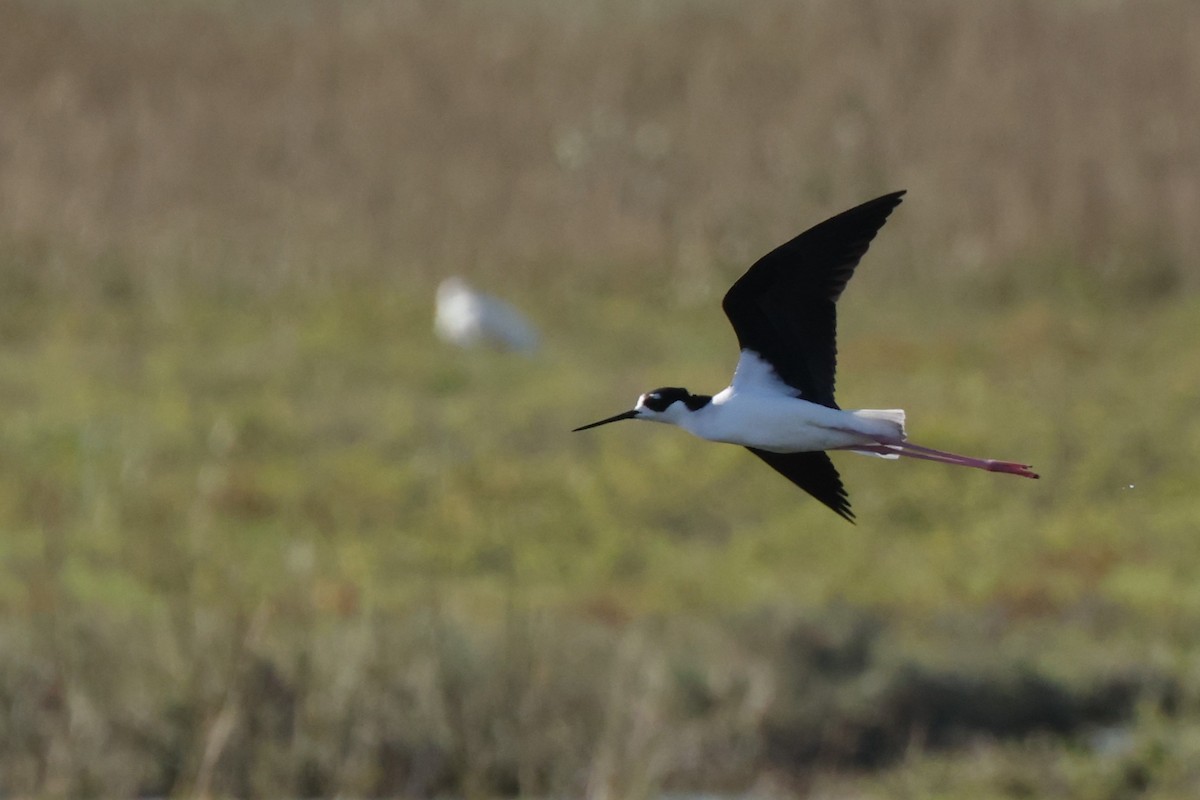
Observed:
{"x":783,"y":308}
{"x":814,"y":473}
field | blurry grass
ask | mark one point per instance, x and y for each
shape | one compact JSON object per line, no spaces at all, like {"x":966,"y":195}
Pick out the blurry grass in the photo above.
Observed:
{"x":264,"y":534}
{"x":272,"y":143}
{"x":321,"y":460}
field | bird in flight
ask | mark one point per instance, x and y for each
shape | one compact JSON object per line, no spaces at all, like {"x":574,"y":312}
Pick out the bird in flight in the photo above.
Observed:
{"x":467,"y":317}
{"x":780,"y":403}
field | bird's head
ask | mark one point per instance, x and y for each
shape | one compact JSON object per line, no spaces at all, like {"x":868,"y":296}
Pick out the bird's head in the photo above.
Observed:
{"x":670,"y":404}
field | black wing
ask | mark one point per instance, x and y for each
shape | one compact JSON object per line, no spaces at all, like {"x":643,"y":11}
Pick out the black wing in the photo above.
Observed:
{"x":783,"y":308}
{"x":814,"y":473}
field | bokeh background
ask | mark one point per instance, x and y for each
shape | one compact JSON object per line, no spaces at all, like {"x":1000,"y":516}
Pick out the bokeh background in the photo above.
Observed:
{"x":261,"y":533}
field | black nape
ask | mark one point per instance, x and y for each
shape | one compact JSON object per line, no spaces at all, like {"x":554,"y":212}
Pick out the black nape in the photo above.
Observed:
{"x":660,"y":399}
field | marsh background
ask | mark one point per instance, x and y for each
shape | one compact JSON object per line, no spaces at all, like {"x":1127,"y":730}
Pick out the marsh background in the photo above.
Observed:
{"x":262,"y":534}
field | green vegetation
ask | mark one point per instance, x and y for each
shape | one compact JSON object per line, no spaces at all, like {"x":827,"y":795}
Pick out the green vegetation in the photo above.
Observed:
{"x":263,"y":534}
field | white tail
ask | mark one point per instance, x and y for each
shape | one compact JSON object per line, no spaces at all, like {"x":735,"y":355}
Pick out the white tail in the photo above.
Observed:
{"x":895,"y":416}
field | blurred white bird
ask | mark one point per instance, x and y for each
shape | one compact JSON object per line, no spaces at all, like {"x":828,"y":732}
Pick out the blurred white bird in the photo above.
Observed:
{"x":467,"y":318}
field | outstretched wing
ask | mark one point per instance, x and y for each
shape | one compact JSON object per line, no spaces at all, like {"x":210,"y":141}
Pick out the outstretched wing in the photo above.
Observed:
{"x":783,"y":308}
{"x":814,"y":473}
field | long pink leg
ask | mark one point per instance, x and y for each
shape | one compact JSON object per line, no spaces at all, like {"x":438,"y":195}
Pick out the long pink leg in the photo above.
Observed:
{"x":929,"y":454}
{"x":989,"y":464}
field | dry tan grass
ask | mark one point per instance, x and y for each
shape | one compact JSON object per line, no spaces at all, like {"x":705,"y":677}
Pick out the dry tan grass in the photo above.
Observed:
{"x":297,"y":141}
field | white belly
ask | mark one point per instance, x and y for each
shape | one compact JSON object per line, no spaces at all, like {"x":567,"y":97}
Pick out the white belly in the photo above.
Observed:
{"x":783,"y":424}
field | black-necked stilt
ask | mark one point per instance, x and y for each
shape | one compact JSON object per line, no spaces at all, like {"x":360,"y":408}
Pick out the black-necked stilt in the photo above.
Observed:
{"x":466,"y":317}
{"x":780,"y":402}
